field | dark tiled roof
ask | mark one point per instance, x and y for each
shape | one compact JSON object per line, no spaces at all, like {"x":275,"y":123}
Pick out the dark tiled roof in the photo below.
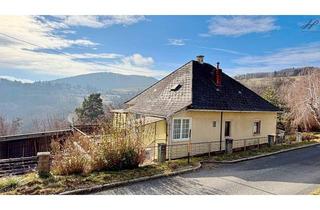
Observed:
{"x":197,"y":91}
{"x":160,"y":100}
{"x":231,"y":95}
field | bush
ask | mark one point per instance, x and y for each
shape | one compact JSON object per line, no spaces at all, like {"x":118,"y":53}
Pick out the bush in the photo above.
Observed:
{"x":8,"y":183}
{"x":172,"y":165}
{"x":122,"y":148}
{"x":70,"y":156}
{"x":116,"y":149}
{"x":308,"y":137}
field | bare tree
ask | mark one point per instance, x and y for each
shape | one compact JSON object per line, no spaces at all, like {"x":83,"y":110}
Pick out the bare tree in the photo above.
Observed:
{"x":9,"y":127}
{"x":50,"y":123}
{"x":303,"y":99}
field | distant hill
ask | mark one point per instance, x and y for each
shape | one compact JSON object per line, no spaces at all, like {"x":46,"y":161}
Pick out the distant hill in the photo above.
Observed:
{"x":108,"y":81}
{"x":258,"y":82}
{"x":290,"y":72}
{"x":59,"y":98}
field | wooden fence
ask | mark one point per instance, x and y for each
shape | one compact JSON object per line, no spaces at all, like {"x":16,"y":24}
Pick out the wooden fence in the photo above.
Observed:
{"x":28,"y":145}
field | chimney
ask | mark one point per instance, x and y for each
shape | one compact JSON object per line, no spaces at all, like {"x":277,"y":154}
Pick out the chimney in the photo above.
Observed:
{"x":218,"y":73}
{"x":200,"y":58}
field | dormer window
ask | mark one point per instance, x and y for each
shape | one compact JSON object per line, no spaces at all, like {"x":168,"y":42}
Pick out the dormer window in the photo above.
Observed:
{"x":176,"y":87}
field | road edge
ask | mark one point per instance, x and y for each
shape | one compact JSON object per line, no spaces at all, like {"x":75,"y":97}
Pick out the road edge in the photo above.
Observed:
{"x":99,"y":188}
{"x":261,"y":156}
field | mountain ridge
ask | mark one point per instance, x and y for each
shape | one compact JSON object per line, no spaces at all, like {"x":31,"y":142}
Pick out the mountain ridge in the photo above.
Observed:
{"x":107,"y":81}
{"x":58,"y":98}
{"x":288,"y":72}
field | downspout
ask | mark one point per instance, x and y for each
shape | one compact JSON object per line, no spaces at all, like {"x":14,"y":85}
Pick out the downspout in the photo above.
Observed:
{"x":221,"y":116}
{"x":168,"y":140}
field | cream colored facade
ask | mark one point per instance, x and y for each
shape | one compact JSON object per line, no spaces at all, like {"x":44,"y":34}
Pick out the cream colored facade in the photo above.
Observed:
{"x":204,"y":136}
{"x":202,"y":129}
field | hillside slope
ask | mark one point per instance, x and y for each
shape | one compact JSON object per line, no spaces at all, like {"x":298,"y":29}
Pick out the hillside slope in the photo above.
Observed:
{"x":258,"y":82}
{"x":58,"y":98}
{"x":108,"y":81}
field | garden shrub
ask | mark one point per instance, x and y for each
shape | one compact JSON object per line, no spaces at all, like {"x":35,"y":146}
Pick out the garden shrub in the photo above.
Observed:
{"x":122,"y":148}
{"x":115,"y":149}
{"x":308,"y":137}
{"x":69,"y":156}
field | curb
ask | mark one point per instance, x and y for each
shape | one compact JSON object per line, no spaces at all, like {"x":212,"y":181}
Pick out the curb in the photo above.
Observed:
{"x":127,"y":182}
{"x":260,"y":156}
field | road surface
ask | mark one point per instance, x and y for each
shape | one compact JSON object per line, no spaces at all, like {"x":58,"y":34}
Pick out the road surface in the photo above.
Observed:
{"x":295,"y":172}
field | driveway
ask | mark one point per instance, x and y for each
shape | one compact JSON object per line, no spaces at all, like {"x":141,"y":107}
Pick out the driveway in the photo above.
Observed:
{"x":295,"y":172}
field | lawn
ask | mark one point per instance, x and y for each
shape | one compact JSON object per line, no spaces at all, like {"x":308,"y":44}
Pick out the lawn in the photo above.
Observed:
{"x":32,"y":184}
{"x":316,"y":192}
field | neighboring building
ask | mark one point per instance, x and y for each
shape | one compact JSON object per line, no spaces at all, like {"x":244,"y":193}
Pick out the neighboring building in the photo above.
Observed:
{"x":198,"y":103}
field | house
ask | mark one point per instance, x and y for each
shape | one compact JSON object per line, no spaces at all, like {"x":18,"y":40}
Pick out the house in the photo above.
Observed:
{"x":199,"y":104}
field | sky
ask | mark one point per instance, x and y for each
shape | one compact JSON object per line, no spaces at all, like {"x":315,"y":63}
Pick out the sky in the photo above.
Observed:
{"x":34,"y":48}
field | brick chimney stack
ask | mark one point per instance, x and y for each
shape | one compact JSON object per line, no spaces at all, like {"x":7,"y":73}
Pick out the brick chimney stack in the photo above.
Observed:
{"x":218,"y":79}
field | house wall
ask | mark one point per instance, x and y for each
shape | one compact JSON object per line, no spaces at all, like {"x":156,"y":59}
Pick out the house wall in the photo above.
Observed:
{"x":205,"y":137}
{"x":119,"y":119}
{"x":155,"y":132}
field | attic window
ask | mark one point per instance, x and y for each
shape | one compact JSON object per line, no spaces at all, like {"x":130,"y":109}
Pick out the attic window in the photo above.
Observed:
{"x":176,"y":87}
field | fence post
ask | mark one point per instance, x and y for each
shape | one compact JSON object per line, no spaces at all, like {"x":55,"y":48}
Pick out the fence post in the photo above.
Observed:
{"x":43,"y":166}
{"x":162,"y":149}
{"x":298,"y":137}
{"x":189,"y":148}
{"x":270,"y":140}
{"x":229,"y":145}
{"x":245,"y":144}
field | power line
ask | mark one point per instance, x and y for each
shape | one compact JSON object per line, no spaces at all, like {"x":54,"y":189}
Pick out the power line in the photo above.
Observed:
{"x":61,"y":52}
{"x":54,"y":50}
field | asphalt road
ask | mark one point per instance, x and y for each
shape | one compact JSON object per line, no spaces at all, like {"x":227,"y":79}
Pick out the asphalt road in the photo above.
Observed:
{"x":295,"y":172}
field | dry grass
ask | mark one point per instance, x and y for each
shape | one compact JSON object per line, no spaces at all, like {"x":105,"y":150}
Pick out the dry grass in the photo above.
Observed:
{"x":316,"y":192}
{"x":34,"y":185}
{"x":117,"y":148}
{"x":262,"y":150}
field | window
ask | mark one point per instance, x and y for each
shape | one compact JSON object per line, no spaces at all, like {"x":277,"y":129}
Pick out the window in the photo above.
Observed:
{"x":181,"y":129}
{"x":214,"y":124}
{"x":176,"y":87}
{"x":227,"y":128}
{"x":256,"y":127}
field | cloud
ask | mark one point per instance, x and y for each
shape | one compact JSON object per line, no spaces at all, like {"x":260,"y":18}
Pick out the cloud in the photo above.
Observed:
{"x":177,"y":42}
{"x":100,"y":21}
{"x":44,"y":59}
{"x":138,"y":60}
{"x":223,"y":50}
{"x":240,"y":25}
{"x":16,"y":79}
{"x":97,"y":55}
{"x":38,"y":31}
{"x":299,"y":56}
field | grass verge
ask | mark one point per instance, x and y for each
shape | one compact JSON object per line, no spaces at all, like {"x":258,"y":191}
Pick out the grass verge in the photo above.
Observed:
{"x":32,"y":184}
{"x":261,"y":151}
{"x":316,"y":192}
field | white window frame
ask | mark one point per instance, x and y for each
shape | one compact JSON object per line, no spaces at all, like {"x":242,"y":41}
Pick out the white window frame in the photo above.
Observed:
{"x":190,"y":128}
{"x":255,"y":121}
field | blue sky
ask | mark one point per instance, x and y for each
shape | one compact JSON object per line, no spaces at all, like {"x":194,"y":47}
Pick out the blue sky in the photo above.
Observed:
{"x":48,"y":47}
